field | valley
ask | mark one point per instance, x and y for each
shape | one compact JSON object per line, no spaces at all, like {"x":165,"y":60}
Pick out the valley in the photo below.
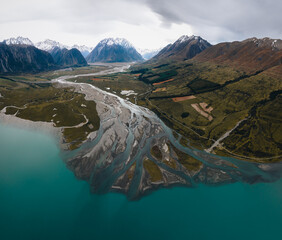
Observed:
{"x":185,"y":117}
{"x":127,"y":147}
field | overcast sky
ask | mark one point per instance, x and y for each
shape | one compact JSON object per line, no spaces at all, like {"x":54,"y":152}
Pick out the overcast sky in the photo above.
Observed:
{"x":145,"y":23}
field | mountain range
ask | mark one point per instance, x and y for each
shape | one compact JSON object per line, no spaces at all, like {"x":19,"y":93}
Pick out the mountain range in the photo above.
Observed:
{"x":108,"y":50}
{"x":250,"y":55}
{"x":48,"y":45}
{"x":19,"y":55}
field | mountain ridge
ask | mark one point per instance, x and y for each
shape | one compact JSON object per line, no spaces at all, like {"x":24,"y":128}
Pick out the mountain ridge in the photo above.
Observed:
{"x":250,"y":55}
{"x":47,"y":45}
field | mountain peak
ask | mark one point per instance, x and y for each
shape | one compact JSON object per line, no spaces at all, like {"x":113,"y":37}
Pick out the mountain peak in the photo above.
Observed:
{"x":186,"y":38}
{"x":116,"y":41}
{"x":48,"y":45}
{"x":183,"y":48}
{"x":18,"y":41}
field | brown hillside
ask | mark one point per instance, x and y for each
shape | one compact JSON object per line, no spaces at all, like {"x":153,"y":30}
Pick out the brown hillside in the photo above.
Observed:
{"x":251,"y":55}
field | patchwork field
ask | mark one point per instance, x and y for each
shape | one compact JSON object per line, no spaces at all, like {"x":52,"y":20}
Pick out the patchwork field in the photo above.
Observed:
{"x":204,"y":101}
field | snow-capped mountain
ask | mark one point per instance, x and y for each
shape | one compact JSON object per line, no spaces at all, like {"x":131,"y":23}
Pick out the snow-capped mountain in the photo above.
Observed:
{"x":83,"y":49}
{"x":186,"y":38}
{"x":114,"y":50}
{"x":18,"y":41}
{"x":185,"y":47}
{"x":148,"y":53}
{"x":48,"y":45}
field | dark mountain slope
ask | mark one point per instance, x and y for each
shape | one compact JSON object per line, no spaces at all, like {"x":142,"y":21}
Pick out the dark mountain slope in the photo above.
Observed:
{"x":68,"y":58}
{"x":24,"y":58}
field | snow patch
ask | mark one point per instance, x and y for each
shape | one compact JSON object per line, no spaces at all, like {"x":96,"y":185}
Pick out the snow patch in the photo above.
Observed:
{"x":116,"y":41}
{"x":18,"y":41}
{"x":128,"y":92}
{"x":273,"y":43}
{"x":186,"y":38}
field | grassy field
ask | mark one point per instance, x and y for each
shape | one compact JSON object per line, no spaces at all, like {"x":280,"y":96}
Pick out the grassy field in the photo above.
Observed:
{"x":62,"y":107}
{"x":153,"y":170}
{"x":260,"y":134}
{"x":116,"y":83}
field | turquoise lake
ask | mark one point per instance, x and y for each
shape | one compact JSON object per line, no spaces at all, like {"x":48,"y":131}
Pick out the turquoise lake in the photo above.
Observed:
{"x":41,"y":199}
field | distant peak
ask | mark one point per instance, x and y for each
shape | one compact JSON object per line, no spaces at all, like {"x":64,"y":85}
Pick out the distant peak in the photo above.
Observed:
{"x":185,"y":38}
{"x":266,"y":42}
{"x":49,"y":45}
{"x":50,"y":41}
{"x":18,"y":41}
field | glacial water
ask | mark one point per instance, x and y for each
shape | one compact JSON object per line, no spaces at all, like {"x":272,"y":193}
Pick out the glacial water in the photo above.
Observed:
{"x":41,"y":199}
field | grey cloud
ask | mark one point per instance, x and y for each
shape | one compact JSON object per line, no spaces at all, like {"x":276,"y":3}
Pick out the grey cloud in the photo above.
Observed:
{"x":230,"y":18}
{"x":83,"y":13}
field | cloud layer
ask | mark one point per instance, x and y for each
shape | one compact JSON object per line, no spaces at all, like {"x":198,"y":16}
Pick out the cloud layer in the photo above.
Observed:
{"x":146,"y":23}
